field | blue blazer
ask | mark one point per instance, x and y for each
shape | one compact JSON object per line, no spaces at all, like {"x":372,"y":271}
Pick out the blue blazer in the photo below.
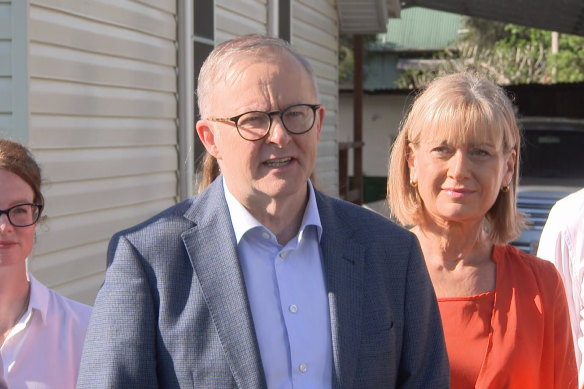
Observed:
{"x":173,"y":312}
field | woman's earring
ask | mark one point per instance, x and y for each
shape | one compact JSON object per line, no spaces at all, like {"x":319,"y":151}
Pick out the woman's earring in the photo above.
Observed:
{"x":413,"y":183}
{"x":505,"y":189}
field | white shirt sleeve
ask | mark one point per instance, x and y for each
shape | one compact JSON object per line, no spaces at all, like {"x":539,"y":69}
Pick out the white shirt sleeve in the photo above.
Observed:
{"x":561,"y":242}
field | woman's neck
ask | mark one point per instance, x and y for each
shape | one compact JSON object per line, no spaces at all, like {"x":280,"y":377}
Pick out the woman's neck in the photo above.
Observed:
{"x":14,"y":298}
{"x":458,"y":258}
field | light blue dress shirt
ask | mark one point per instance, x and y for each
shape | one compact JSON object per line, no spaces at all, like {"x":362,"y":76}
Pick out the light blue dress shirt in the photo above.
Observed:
{"x":287,"y":295}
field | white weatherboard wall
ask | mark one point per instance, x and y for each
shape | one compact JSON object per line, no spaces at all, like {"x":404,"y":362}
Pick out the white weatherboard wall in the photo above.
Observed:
{"x":103,"y":110}
{"x":13,"y":91}
{"x":241,"y":17}
{"x":5,"y":68}
{"x":315,"y":34}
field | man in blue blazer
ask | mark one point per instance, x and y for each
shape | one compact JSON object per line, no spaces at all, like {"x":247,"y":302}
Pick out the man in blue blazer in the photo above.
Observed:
{"x":261,"y":281}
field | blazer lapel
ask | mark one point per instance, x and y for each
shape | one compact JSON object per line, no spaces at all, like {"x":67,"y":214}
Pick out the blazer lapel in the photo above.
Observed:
{"x":212,"y":251}
{"x":343,"y":260}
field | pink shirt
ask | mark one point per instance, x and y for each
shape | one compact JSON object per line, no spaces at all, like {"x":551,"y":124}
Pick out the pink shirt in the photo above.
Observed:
{"x":43,"y":349}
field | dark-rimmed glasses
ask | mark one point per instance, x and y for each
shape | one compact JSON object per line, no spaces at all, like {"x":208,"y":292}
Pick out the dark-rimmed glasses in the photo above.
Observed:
{"x":254,"y":125}
{"x":23,"y":215}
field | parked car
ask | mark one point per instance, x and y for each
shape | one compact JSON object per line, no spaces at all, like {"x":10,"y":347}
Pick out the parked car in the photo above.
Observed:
{"x":552,"y":166}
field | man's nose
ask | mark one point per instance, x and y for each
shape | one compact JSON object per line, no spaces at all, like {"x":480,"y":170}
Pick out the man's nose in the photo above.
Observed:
{"x":278,"y":134}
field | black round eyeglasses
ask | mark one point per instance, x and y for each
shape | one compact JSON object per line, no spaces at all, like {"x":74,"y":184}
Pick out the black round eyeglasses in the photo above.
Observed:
{"x":254,"y":125}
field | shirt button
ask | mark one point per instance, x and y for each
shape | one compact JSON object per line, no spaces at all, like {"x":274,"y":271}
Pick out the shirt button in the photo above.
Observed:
{"x":303,"y":368}
{"x":265,"y":235}
{"x":293,"y":308}
{"x":282,"y":255}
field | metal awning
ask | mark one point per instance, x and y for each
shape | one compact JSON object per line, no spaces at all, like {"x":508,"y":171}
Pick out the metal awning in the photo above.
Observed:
{"x":366,"y":16}
{"x":566,"y":16}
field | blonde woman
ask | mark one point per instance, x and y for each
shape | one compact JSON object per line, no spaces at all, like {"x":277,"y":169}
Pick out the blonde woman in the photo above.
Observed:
{"x":453,"y":175}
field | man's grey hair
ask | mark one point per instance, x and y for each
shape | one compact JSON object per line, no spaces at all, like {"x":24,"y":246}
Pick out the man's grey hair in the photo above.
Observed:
{"x":219,"y":64}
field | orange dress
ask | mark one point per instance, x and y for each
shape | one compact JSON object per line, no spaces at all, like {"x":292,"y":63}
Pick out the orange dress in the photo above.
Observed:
{"x":517,"y":337}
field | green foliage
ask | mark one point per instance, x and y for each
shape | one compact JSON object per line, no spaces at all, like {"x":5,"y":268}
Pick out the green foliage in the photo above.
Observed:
{"x":346,"y":64}
{"x":507,"y":54}
{"x":568,"y":62}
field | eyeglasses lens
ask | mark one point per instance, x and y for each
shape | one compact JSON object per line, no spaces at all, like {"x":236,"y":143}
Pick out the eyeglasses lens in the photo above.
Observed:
{"x":298,"y":119}
{"x":23,"y":215}
{"x":254,"y":125}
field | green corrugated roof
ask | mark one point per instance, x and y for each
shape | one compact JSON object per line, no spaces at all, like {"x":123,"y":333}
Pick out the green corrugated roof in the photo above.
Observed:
{"x":421,"y":29}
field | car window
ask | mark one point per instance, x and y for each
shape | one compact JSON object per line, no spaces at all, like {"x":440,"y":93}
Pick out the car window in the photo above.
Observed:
{"x":553,"y":154}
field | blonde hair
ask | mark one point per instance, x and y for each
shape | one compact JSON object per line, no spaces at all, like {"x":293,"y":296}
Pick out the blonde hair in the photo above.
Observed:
{"x":457,"y":108}
{"x":219,"y":65}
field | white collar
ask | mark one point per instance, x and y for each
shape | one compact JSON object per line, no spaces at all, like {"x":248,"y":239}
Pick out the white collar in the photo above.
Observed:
{"x":39,"y":298}
{"x":243,"y":221}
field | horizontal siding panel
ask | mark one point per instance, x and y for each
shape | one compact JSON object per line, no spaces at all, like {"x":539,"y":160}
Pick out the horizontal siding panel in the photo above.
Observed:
{"x":65,"y":265}
{"x":65,"y":30}
{"x":71,"y":165}
{"x":328,"y":134}
{"x":5,"y":95}
{"x":317,"y":53}
{"x":328,"y":164}
{"x":86,"y":196}
{"x":330,"y":130}
{"x":168,"y":6}
{"x":83,"y":290}
{"x":222,"y":36}
{"x":328,"y":87}
{"x":244,"y":9}
{"x":5,"y":58}
{"x":315,"y":17}
{"x":328,"y":147}
{"x":327,"y":182}
{"x":5,"y":18}
{"x":61,"y":63}
{"x":5,"y":123}
{"x":127,"y":14}
{"x":328,"y":101}
{"x":91,"y":132}
{"x":323,"y":39}
{"x":236,"y":25}
{"x":82,"y":229}
{"x":322,"y":7}
{"x":323,"y":70}
{"x":56,"y":97}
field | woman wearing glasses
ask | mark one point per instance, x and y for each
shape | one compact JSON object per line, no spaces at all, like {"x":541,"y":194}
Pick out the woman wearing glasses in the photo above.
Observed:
{"x":41,"y":331}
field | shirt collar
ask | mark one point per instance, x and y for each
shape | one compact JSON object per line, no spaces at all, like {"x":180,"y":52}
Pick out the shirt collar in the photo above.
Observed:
{"x":39,"y":298}
{"x":243,"y":221}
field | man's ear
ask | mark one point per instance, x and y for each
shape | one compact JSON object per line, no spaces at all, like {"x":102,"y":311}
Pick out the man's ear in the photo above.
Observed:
{"x":206,"y":132}
{"x":319,"y":121}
